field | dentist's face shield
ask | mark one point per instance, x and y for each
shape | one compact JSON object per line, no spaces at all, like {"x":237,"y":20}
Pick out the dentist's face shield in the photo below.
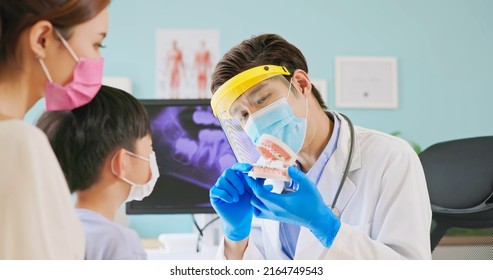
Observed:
{"x":226,"y":102}
{"x":257,"y":92}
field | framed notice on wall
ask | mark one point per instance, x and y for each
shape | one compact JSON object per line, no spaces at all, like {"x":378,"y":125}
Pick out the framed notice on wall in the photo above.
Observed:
{"x":366,"y":82}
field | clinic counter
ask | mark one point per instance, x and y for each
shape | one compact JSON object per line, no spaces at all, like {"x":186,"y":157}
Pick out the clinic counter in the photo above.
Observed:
{"x":157,"y":251}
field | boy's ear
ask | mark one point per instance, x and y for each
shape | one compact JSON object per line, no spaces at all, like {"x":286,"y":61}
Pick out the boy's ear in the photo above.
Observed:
{"x":302,"y":81}
{"x":40,"y":37}
{"x":118,"y":163}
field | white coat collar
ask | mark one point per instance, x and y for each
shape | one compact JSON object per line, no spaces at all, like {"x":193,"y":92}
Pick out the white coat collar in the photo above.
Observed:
{"x":329,"y":182}
{"x":343,"y":145}
{"x":333,"y":171}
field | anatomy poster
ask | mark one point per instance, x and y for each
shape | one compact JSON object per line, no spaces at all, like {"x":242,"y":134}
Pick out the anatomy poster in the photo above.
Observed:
{"x":185,"y":59}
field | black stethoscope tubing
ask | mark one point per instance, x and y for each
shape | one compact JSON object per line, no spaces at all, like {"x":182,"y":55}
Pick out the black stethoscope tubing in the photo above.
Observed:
{"x":346,"y":169}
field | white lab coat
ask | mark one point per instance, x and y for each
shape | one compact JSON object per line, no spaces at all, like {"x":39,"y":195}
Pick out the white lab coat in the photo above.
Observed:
{"x":384,"y":204}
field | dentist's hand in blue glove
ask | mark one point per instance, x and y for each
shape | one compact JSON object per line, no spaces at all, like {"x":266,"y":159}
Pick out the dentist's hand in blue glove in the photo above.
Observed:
{"x":305,"y":207}
{"x":230,"y":197}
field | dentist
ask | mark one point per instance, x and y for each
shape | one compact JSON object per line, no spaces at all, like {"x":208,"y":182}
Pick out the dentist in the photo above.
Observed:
{"x":361,"y":193}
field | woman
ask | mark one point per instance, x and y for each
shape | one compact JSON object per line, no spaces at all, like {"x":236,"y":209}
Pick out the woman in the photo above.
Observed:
{"x":47,"y":48}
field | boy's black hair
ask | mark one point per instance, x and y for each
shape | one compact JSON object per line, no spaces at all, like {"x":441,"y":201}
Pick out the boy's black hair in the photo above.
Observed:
{"x":84,"y":138}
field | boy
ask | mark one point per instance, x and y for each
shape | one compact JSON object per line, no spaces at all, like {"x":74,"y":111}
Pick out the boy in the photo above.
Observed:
{"x":105,"y":151}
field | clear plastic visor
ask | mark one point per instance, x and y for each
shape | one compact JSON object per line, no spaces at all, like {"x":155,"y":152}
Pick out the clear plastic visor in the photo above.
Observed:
{"x":244,"y":82}
{"x":259,"y":97}
{"x":234,"y":117}
{"x":251,"y":95}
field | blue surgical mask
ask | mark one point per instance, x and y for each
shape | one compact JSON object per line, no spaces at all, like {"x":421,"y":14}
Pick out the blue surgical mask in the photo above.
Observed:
{"x":278,"y":120}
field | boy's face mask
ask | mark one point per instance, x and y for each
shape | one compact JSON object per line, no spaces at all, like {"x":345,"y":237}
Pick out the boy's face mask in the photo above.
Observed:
{"x":140,"y":191}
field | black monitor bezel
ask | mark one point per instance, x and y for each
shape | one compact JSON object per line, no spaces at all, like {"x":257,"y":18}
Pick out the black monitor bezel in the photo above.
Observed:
{"x":175,"y":210}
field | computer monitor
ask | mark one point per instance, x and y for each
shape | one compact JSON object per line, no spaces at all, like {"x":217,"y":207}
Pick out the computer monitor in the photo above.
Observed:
{"x":191,"y":151}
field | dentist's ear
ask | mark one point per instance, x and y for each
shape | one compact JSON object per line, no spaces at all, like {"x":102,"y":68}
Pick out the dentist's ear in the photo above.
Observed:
{"x":40,"y":37}
{"x":302,"y":81}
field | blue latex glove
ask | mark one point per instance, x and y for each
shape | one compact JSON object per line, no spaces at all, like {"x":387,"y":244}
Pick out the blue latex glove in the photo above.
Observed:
{"x":230,"y":197}
{"x":305,"y":207}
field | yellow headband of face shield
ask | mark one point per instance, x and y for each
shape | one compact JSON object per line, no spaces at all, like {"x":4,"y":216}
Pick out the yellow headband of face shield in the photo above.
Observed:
{"x":227,"y":93}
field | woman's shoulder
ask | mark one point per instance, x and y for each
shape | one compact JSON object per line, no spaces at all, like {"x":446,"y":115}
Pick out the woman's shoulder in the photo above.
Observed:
{"x":20,"y":136}
{"x":18,"y":128}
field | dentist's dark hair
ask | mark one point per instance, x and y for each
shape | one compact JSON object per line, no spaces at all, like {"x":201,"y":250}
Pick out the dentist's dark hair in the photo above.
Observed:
{"x":261,"y":50}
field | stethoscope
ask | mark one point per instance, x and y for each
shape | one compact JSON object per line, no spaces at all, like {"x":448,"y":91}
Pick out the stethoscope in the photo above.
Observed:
{"x":336,"y":211}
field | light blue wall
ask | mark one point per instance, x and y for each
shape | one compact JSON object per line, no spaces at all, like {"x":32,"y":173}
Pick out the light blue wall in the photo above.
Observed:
{"x":444,"y":50}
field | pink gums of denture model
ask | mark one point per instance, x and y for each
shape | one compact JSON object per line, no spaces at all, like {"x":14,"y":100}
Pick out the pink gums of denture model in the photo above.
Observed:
{"x":275,"y":158}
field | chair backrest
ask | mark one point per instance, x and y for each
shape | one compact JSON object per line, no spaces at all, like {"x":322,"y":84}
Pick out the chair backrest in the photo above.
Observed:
{"x":459,"y":175}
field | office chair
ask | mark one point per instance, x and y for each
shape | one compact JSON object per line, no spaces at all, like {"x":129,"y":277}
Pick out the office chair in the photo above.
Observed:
{"x":459,"y":175}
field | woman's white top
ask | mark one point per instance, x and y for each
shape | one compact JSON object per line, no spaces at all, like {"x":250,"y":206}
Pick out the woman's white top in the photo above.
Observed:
{"x":37,"y":216}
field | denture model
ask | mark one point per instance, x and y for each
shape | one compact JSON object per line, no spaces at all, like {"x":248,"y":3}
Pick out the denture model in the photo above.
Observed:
{"x":275,"y":157}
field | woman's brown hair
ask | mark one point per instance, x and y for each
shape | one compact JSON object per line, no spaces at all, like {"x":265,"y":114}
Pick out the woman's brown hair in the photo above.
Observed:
{"x":17,"y":15}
